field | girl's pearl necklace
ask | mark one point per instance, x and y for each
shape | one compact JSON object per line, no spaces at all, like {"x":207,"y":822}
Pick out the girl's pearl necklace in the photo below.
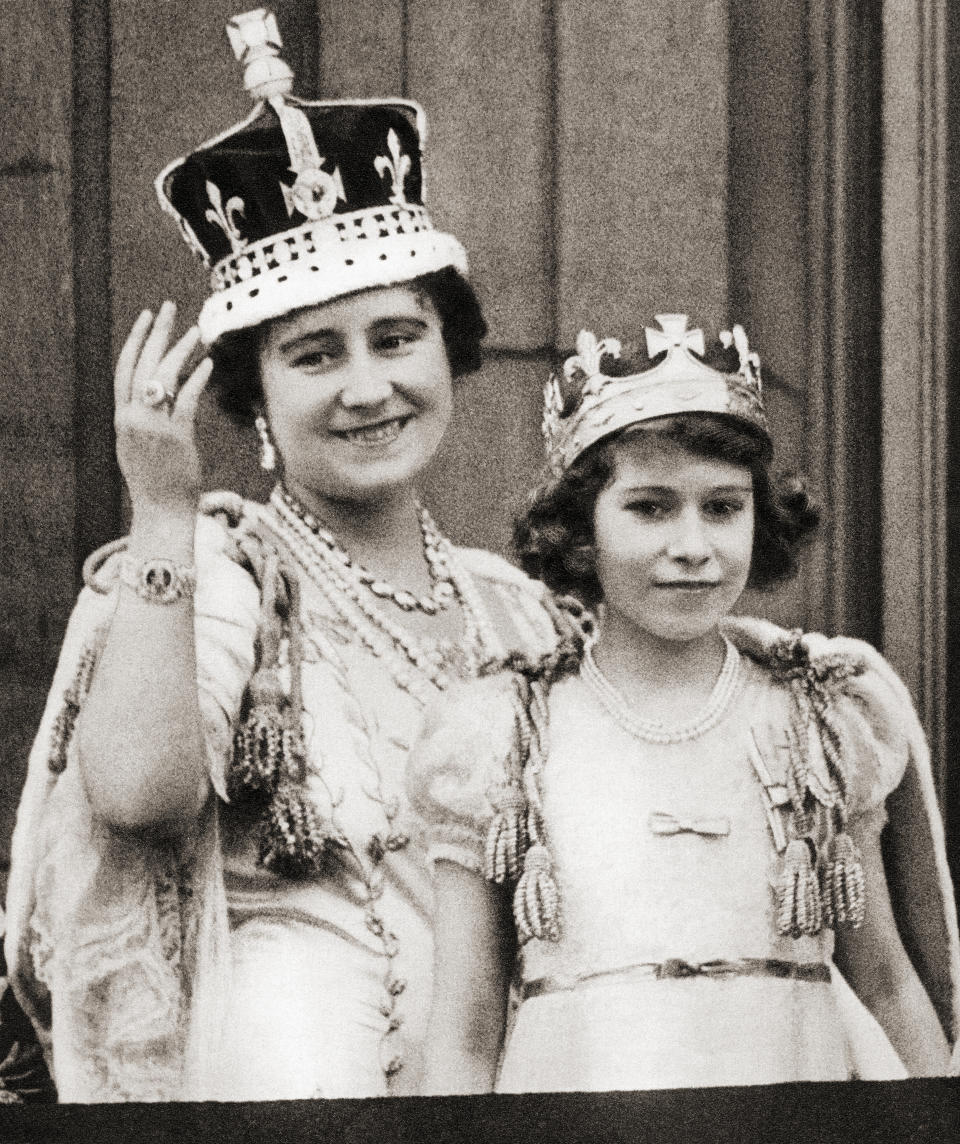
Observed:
{"x":650,"y":730}
{"x":349,"y":598}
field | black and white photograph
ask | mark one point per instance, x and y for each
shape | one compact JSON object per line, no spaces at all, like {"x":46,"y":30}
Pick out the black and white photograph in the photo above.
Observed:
{"x":481,"y":536}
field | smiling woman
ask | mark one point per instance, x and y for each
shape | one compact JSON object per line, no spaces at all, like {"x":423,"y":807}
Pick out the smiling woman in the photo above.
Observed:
{"x":235,"y":381}
{"x":219,"y":889}
{"x":357,"y":394}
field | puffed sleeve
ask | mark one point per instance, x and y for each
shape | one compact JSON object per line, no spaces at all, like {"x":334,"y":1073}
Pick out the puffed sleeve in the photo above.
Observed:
{"x":461,"y":755}
{"x":226,"y":613}
{"x":899,"y":791}
{"x":879,"y":725}
{"x":890,"y":788}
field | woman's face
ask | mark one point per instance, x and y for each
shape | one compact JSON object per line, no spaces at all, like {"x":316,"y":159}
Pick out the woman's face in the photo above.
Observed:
{"x":674,"y":538}
{"x":357,"y":392}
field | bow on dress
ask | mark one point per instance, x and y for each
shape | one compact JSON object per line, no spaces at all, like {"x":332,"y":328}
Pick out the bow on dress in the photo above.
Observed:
{"x":662,"y":822}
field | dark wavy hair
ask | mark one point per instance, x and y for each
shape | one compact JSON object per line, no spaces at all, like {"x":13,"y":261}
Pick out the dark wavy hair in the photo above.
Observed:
{"x":235,"y":380}
{"x":554,"y":539}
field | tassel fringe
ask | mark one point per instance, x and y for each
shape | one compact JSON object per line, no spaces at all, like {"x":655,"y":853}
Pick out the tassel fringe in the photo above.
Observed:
{"x":293,"y":842}
{"x":536,"y":901}
{"x":507,"y":836}
{"x":844,"y":884}
{"x":258,"y":753}
{"x":799,"y":910}
{"x":807,"y":897}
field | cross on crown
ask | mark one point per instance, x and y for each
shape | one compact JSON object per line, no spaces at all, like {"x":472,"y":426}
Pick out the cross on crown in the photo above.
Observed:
{"x":255,"y":39}
{"x":680,"y":382}
{"x":673,"y":335}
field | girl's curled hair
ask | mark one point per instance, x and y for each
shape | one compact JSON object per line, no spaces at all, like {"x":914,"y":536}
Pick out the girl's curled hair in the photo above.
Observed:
{"x":554,"y":539}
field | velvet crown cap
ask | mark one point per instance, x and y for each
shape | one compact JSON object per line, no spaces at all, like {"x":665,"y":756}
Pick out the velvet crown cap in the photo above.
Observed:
{"x":304,"y":201}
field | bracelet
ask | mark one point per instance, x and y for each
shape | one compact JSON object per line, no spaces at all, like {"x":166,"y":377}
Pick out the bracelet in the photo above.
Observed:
{"x":158,"y":581}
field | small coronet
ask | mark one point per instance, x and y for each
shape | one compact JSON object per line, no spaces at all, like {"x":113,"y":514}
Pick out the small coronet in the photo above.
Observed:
{"x":678,"y":382}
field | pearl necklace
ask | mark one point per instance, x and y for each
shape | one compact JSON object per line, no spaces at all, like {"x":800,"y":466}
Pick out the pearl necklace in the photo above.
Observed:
{"x":436,"y":551}
{"x":651,"y":730}
{"x":341,"y":588}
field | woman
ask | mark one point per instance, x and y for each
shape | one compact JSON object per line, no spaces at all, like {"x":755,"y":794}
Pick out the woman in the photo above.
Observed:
{"x":219,"y":889}
{"x":685,"y":813}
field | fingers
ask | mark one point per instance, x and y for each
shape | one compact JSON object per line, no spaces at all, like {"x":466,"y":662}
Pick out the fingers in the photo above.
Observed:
{"x":154,"y":348}
{"x":146,"y":369}
{"x":177,"y":358}
{"x":189,"y":395}
{"x":123,"y":376}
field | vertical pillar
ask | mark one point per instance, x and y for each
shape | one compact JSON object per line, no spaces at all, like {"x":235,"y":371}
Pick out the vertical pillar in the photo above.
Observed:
{"x":917,"y":370}
{"x":38,"y":479}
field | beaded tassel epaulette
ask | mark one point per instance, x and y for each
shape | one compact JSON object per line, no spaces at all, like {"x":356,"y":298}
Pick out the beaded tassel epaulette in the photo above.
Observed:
{"x":821,"y":880}
{"x":74,"y":695}
{"x":516,"y":845}
{"x":66,"y":721}
{"x":268,"y":768}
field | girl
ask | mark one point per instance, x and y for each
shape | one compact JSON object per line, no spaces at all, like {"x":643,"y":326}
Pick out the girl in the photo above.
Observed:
{"x":218,"y":888}
{"x":683,"y":813}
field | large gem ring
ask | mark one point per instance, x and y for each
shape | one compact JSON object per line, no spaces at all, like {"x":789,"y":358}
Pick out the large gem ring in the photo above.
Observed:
{"x":155,"y":396}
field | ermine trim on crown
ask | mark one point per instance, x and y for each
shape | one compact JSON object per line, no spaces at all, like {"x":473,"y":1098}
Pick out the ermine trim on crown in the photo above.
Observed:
{"x":304,"y":201}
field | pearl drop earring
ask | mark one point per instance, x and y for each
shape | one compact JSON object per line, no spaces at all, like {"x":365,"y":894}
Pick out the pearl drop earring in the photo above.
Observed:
{"x":268,"y":453}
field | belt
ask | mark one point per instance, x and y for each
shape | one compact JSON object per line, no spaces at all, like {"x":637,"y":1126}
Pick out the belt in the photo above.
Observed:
{"x":675,"y":967}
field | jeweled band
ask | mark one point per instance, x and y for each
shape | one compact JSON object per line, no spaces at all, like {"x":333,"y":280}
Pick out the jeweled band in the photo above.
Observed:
{"x":158,"y":581}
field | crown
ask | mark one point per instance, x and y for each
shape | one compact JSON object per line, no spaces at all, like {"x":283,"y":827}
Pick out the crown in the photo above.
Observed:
{"x":303,"y":201}
{"x":681,"y":383}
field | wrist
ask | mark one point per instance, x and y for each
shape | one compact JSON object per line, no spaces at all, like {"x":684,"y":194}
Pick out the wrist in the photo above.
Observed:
{"x":162,"y":533}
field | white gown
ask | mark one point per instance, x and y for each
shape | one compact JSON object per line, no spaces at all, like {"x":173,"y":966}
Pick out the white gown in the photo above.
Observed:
{"x":204,"y":975}
{"x":632,"y":896}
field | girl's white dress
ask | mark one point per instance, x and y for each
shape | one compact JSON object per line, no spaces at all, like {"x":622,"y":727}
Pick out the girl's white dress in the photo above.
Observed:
{"x":197,"y":972}
{"x":665,"y":851}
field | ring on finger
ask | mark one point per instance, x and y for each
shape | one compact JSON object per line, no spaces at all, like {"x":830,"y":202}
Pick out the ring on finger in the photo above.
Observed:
{"x":154,"y":396}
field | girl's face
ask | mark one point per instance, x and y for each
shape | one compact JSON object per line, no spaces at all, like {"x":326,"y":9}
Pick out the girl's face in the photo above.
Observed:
{"x":358,"y":392}
{"x":674,"y":538}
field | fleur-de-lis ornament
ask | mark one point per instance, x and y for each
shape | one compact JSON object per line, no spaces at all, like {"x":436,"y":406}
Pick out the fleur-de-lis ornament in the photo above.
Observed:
{"x":550,"y":426}
{"x":224,"y":215}
{"x":749,"y":359}
{"x":190,"y":237}
{"x":397,"y":166}
{"x":587,"y":359}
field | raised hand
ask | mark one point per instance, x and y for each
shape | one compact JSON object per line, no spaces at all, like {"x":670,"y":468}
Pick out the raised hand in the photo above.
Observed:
{"x":155,"y":414}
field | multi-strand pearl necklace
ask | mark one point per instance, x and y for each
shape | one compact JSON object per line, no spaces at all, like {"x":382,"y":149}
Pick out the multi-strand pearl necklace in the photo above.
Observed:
{"x":435,"y":550}
{"x":351,"y":599}
{"x":651,"y":730}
